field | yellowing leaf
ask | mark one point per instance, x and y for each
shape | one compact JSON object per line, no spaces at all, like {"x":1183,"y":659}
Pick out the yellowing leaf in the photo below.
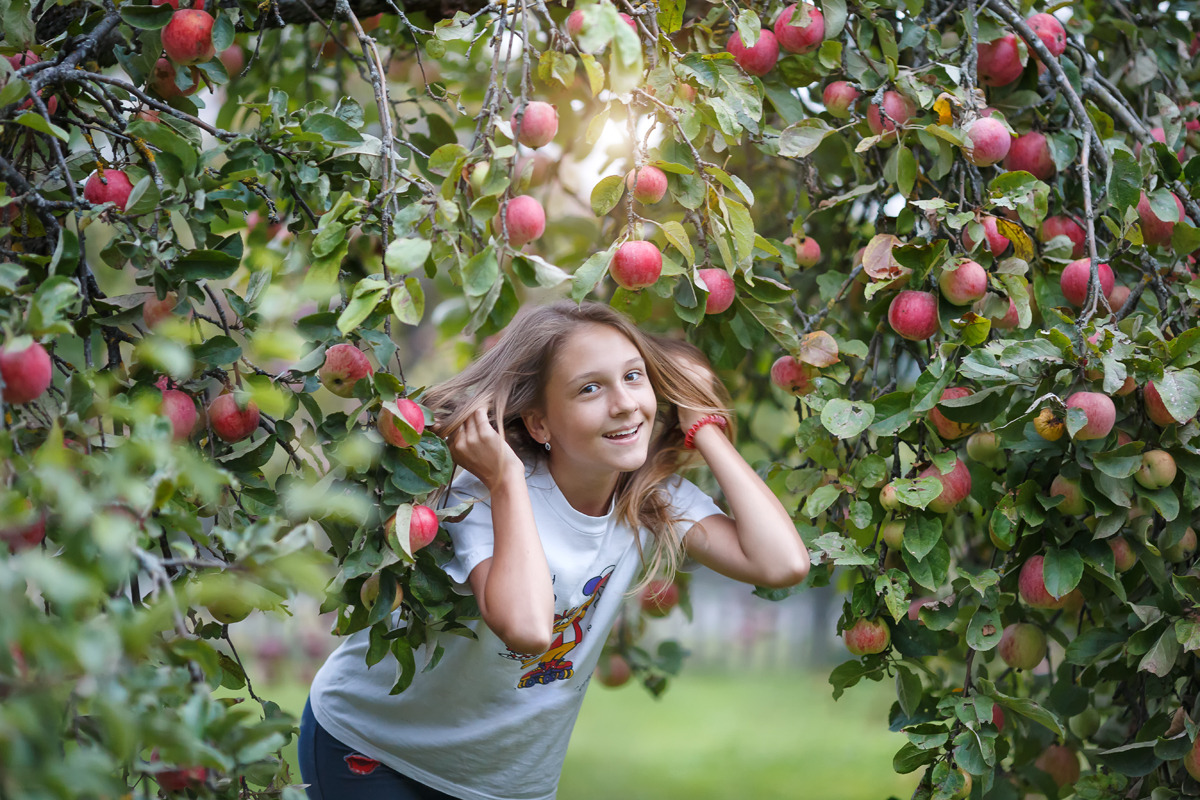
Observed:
{"x":819,"y":349}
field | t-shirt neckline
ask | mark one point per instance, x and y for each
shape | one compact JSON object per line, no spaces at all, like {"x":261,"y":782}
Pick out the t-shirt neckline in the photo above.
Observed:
{"x":584,"y":523}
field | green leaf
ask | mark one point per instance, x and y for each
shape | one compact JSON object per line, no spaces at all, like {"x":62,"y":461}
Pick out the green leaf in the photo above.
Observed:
{"x":37,"y":122}
{"x":921,"y":534}
{"x":1061,"y":570}
{"x":1160,"y":658}
{"x":1125,"y":181}
{"x":589,"y":274}
{"x":846,"y":418}
{"x":606,"y":194}
{"x":984,"y":630}
{"x":821,"y":499}
{"x":205,"y":264}
{"x":1180,"y":391}
{"x":801,"y":139}
{"x":917,"y":492}
{"x":147,"y":18}
{"x":677,"y":236}
{"x":331,"y":129}
{"x":367,"y":294}
{"x":405,"y":255}
{"x":408,"y":301}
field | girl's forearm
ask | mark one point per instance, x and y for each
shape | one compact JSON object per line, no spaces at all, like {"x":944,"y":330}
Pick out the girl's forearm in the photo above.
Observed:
{"x":765,"y":531}
{"x":518,"y":602}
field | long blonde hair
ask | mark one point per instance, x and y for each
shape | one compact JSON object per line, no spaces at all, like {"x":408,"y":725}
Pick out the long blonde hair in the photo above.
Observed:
{"x":509,"y":380}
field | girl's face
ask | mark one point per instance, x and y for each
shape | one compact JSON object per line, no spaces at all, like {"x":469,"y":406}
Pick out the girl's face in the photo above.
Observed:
{"x":599,"y":406}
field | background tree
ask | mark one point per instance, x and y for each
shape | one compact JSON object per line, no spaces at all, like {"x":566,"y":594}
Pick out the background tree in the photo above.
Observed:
{"x":940,"y":250}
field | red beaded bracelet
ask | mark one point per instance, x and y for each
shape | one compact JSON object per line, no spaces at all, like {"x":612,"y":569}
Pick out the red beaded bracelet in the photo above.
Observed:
{"x":689,"y":441}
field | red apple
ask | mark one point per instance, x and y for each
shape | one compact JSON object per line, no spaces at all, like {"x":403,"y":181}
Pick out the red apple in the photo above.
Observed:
{"x":1156,"y":232}
{"x":997,"y":242}
{"x":913,"y":315}
{"x":897,"y":109}
{"x":536,"y":125}
{"x":808,"y":250}
{"x":987,"y":141}
{"x":111,"y":186}
{"x":956,"y":486}
{"x":1158,"y":135}
{"x":1116,"y":300}
{"x":27,"y":373}
{"x":1073,"y":503}
{"x":648,"y":184}
{"x":1030,"y":152}
{"x":1031,"y":585}
{"x":613,"y":670}
{"x":422,"y":527}
{"x":1022,"y":645}
{"x":230,"y":421}
{"x":575,"y":22}
{"x":1156,"y":409}
{"x":187,"y":38}
{"x":1061,"y":763}
{"x":24,"y":59}
{"x":803,"y":36}
{"x":154,"y":311}
{"x":793,"y":375}
{"x":233,"y":58}
{"x":965,"y":284}
{"x":636,"y":265}
{"x":162,"y":80}
{"x":946,"y":428}
{"x":175,"y":3}
{"x":720,"y":290}
{"x":23,"y":536}
{"x":1050,"y":31}
{"x":345,"y":365}
{"x":1075,"y":277}
{"x":659,"y":597}
{"x":178,"y":407}
{"x":412,"y":414}
{"x":1000,"y":61}
{"x":1191,"y":761}
{"x":1063,"y":225}
{"x":839,"y":98}
{"x":525,"y":219}
{"x":759,"y":59}
{"x":1123,"y":553}
{"x":176,"y":780}
{"x":867,"y":637}
{"x":1101,"y":414}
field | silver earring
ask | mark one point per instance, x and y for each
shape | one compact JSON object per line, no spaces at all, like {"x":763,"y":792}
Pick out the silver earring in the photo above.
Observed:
{"x":547,"y":447}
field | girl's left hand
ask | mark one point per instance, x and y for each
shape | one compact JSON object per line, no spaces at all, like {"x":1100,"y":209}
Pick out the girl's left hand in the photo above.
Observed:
{"x":700,"y":375}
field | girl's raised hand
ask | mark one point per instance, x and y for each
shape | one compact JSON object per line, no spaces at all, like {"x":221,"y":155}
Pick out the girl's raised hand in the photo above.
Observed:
{"x":480,"y":449}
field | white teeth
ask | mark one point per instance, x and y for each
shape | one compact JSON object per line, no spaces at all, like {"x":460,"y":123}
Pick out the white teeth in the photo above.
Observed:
{"x":625,"y":432}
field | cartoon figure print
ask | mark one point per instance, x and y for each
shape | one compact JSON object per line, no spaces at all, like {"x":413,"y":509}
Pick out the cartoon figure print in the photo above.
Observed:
{"x":569,"y":630}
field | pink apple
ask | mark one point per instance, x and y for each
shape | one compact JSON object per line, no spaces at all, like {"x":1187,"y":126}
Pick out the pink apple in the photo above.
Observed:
{"x":1061,"y":763}
{"x":1156,"y":409}
{"x":1117,"y":299}
{"x":759,"y":59}
{"x":25,"y":59}
{"x":913,"y":315}
{"x":537,"y":125}
{"x":111,"y":187}
{"x":1156,"y":232}
{"x":997,"y":242}
{"x":1191,"y":759}
{"x":1101,"y":414}
{"x":233,"y":58}
{"x":648,"y":184}
{"x":793,"y":375}
{"x":636,"y":265}
{"x":1158,"y":135}
{"x":1030,"y":152}
{"x":24,"y":535}
{"x":839,"y":98}
{"x":1063,"y":225}
{"x":1075,"y":277}
{"x":345,"y":365}
{"x":947,"y":428}
{"x":27,"y":373}
{"x":965,"y":284}
{"x":613,"y":670}
{"x":1000,"y":61}
{"x":422,"y":527}
{"x":175,"y":4}
{"x":987,"y":141}
{"x":897,"y":109}
{"x":178,"y":407}
{"x":808,"y":251}
{"x":801,"y":37}
{"x":525,"y":219}
{"x":412,"y":414}
{"x":867,"y":637}
{"x":162,"y":80}
{"x":1010,"y":320}
{"x":720,"y":290}
{"x":1123,"y":555}
{"x":154,"y":311}
{"x":230,"y":421}
{"x":1031,"y":585}
{"x":1022,"y":645}
{"x":1073,"y":503}
{"x":181,"y":778}
{"x":1050,"y":31}
{"x":956,"y":486}
{"x":187,"y":38}
{"x":575,"y":22}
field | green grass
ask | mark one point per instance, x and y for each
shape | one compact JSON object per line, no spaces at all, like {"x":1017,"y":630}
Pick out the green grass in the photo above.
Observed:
{"x":721,"y":737}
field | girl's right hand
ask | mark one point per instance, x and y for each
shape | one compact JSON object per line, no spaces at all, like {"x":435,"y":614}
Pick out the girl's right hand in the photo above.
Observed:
{"x":480,"y":449}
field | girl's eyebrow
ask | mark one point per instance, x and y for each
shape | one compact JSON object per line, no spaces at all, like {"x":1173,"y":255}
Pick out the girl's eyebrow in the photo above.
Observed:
{"x":594,"y":374}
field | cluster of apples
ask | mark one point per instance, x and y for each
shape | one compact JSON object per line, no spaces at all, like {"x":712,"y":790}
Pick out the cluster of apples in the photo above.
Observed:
{"x":187,"y":40}
{"x":799,"y":28}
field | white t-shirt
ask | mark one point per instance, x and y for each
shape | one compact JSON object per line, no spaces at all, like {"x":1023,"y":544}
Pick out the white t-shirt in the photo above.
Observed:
{"x":486,"y":724}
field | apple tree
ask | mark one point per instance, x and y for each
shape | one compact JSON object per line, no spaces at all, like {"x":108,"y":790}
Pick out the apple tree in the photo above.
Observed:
{"x":939,"y":250}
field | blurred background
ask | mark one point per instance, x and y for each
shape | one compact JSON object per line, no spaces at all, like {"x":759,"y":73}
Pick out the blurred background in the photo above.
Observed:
{"x":751,"y":715}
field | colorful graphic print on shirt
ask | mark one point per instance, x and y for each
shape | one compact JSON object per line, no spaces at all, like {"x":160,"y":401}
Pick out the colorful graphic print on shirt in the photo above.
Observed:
{"x":569,"y":631}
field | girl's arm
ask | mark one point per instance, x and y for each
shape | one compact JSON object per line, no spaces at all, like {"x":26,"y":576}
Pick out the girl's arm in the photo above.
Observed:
{"x":759,"y":545}
{"x":513,"y":587}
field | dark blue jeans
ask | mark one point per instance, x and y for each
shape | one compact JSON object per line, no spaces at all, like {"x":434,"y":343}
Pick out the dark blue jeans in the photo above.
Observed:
{"x":334,"y":771}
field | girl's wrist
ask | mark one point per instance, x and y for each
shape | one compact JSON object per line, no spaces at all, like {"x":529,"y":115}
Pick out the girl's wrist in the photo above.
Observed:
{"x":706,"y":421}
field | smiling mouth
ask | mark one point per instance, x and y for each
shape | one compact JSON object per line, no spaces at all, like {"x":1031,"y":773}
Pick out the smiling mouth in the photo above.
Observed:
{"x":625,"y":434}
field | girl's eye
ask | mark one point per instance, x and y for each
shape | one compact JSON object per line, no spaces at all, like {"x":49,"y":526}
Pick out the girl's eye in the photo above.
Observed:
{"x":636,"y":373}
{"x":587,"y":387}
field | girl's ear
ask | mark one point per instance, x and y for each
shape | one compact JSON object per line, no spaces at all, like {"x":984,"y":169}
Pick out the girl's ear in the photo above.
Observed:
{"x":535,"y":423}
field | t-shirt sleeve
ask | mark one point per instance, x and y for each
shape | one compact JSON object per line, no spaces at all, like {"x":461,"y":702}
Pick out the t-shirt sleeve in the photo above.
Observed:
{"x":473,"y":537}
{"x":690,"y":503}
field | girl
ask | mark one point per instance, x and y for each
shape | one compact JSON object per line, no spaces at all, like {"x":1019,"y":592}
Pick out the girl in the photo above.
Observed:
{"x":576,"y":494}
